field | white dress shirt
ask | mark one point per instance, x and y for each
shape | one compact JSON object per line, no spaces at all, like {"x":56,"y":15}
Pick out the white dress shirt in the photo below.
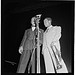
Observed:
{"x":33,"y":28}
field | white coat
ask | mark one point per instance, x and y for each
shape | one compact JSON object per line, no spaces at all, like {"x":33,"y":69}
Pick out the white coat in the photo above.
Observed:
{"x":51,"y":51}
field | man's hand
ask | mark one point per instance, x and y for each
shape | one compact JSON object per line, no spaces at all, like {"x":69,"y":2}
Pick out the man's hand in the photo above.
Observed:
{"x":21,"y":50}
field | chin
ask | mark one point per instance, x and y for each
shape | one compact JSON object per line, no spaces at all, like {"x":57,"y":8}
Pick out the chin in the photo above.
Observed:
{"x":46,"y":26}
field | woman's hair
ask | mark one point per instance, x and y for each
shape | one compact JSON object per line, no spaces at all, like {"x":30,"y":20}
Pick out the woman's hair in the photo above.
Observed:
{"x":49,"y":19}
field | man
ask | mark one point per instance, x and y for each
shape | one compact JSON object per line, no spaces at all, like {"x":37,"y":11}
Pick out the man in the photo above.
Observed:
{"x":51,"y":49}
{"x":27,"y":46}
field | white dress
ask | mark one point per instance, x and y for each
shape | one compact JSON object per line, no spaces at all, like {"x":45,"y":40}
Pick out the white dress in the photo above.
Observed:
{"x":51,"y":51}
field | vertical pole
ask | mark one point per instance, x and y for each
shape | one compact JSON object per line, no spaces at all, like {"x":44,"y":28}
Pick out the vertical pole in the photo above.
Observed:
{"x":38,"y":51}
{"x":33,"y":63}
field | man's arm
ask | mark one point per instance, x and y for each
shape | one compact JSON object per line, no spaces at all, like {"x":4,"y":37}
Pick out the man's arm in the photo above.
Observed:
{"x":56,"y":45}
{"x":56,"y":48}
{"x":24,"y":38}
{"x":22,"y":42}
{"x":56,"y":38}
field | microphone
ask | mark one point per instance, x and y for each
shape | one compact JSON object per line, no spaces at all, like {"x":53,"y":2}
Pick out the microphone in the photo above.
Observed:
{"x":38,"y":16}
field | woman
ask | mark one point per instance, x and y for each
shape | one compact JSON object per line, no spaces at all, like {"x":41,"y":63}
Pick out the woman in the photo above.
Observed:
{"x":51,"y":49}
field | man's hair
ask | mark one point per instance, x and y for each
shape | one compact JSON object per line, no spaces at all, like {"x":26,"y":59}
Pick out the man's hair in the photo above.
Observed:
{"x":49,"y":19}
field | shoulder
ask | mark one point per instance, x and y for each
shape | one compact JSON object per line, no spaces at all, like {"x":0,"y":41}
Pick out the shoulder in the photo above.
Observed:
{"x":57,"y":28}
{"x":41,"y":30}
{"x":27,"y":31}
{"x":57,"y":35}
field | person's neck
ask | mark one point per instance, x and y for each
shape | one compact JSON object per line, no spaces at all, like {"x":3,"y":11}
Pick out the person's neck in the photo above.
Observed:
{"x":49,"y":26}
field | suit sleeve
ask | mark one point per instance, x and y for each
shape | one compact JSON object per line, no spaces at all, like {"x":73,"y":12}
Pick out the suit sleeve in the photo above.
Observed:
{"x":24,"y":38}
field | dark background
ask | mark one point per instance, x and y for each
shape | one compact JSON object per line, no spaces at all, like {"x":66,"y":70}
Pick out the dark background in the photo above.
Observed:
{"x":16,"y":16}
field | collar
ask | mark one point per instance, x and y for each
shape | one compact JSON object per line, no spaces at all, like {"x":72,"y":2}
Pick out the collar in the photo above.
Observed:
{"x":33,"y":28}
{"x":49,"y":27}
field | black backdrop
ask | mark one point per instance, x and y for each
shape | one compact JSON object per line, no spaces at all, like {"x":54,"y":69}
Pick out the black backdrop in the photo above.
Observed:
{"x":16,"y":21}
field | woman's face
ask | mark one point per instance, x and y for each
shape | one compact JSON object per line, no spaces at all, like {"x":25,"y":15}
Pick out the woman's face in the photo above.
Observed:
{"x":47,"y":23}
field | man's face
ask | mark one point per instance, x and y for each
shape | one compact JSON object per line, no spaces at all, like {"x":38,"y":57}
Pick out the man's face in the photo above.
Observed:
{"x":32,"y":22}
{"x":47,"y":23}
